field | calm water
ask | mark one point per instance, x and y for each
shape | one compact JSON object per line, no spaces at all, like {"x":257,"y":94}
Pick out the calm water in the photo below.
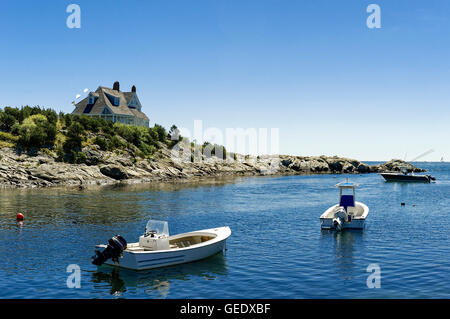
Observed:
{"x":276,"y":250}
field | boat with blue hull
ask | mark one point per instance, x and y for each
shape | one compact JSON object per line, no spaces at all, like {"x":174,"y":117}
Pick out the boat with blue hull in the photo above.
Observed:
{"x":157,"y":249}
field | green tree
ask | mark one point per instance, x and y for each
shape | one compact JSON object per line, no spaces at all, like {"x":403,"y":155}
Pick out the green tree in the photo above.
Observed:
{"x":36,"y":131}
{"x":161,"y":131}
{"x":6,"y":121}
{"x":14,"y":112}
{"x":74,"y":138}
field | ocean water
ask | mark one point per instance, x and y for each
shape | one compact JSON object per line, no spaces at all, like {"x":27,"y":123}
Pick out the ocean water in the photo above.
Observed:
{"x":276,"y":250}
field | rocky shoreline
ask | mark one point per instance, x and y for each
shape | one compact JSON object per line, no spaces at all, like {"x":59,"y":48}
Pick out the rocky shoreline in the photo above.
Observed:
{"x":22,"y":170}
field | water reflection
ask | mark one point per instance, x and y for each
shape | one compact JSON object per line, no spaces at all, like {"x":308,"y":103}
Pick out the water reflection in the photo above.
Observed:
{"x":101,"y":205}
{"x":344,"y":243}
{"x":157,"y":282}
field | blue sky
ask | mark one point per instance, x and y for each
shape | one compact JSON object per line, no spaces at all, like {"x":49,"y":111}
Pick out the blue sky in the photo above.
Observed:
{"x":310,"y":68}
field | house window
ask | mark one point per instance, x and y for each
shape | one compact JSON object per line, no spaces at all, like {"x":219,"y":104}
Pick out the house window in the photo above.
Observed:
{"x":116,"y":101}
{"x":133,"y":103}
{"x":91,"y":99}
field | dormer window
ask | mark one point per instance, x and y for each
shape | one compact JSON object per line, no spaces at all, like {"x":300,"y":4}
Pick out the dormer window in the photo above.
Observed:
{"x":133,"y":103}
{"x":91,"y":99}
{"x":116,"y":101}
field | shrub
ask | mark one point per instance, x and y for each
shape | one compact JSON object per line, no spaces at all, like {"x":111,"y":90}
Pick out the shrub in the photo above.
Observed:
{"x":6,"y":122}
{"x":116,"y":142}
{"x":8,"y":137}
{"x":101,"y":142}
{"x":14,"y":112}
{"x":36,"y":131}
{"x":51,"y":116}
{"x":46,"y":151}
{"x":147,"y":149}
{"x":74,"y":138}
{"x":128,"y":132}
{"x":161,"y":131}
{"x":91,"y":123}
{"x":60,"y":154}
{"x":77,"y":157}
{"x":67,"y":120}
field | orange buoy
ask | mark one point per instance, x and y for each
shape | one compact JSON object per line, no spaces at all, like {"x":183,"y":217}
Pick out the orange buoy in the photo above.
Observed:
{"x":19,"y":216}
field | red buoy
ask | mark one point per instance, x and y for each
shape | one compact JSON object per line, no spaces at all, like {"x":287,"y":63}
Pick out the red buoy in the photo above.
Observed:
{"x":19,"y":216}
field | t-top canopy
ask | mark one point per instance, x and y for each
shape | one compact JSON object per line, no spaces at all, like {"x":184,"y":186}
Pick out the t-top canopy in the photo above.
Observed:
{"x":158,"y":227}
{"x":347,"y":185}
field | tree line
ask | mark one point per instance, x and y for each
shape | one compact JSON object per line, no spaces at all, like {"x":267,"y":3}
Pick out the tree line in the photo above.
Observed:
{"x":35,"y":128}
{"x":39,"y":128}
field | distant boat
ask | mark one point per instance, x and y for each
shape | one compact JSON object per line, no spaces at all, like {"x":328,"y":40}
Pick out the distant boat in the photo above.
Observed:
{"x":348,"y":214}
{"x":442,"y":159}
{"x":403,"y":176}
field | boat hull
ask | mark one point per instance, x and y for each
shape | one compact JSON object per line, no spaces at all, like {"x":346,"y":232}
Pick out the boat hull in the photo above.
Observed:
{"x":327,"y":223}
{"x":326,"y":220}
{"x":393,"y":177}
{"x":144,"y":260}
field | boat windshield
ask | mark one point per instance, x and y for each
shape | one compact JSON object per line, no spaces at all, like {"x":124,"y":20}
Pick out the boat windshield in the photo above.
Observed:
{"x":158,"y":227}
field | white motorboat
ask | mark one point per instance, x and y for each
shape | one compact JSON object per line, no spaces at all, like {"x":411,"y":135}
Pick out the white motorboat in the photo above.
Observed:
{"x":157,"y":249}
{"x":348,"y":214}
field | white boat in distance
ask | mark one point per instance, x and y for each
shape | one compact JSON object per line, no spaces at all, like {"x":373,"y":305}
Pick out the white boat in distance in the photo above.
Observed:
{"x":348,"y":214}
{"x":157,"y":249}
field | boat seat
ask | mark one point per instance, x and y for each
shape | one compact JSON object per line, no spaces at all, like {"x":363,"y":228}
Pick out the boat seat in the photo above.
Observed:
{"x":347,"y":201}
{"x":183,"y":244}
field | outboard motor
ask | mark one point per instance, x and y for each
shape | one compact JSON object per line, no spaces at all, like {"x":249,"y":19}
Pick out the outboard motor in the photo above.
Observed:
{"x":338,"y":221}
{"x":116,"y":245}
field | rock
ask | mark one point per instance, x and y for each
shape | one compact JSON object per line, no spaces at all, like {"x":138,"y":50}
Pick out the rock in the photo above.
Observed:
{"x":348,"y":168}
{"x":93,"y":155}
{"x":114,"y":171}
{"x":18,"y":169}
{"x":395,"y":165}
{"x":318,"y":165}
{"x":286,"y":162}
{"x":335,"y":165}
{"x":363,"y":168}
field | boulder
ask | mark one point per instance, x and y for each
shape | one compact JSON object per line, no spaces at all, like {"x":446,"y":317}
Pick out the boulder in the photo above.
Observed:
{"x":93,"y":155}
{"x":363,"y":168}
{"x":348,"y":168}
{"x":335,"y":165}
{"x":114,"y":171}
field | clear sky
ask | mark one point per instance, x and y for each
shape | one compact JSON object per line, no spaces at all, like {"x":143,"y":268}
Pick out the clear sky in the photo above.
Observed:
{"x":313,"y":69}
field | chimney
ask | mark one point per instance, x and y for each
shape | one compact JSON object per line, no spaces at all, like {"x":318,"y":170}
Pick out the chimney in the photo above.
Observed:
{"x":133,"y":89}
{"x":116,"y":86}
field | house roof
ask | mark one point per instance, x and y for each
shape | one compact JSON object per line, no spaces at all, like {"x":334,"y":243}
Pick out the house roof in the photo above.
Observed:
{"x":104,"y":97}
